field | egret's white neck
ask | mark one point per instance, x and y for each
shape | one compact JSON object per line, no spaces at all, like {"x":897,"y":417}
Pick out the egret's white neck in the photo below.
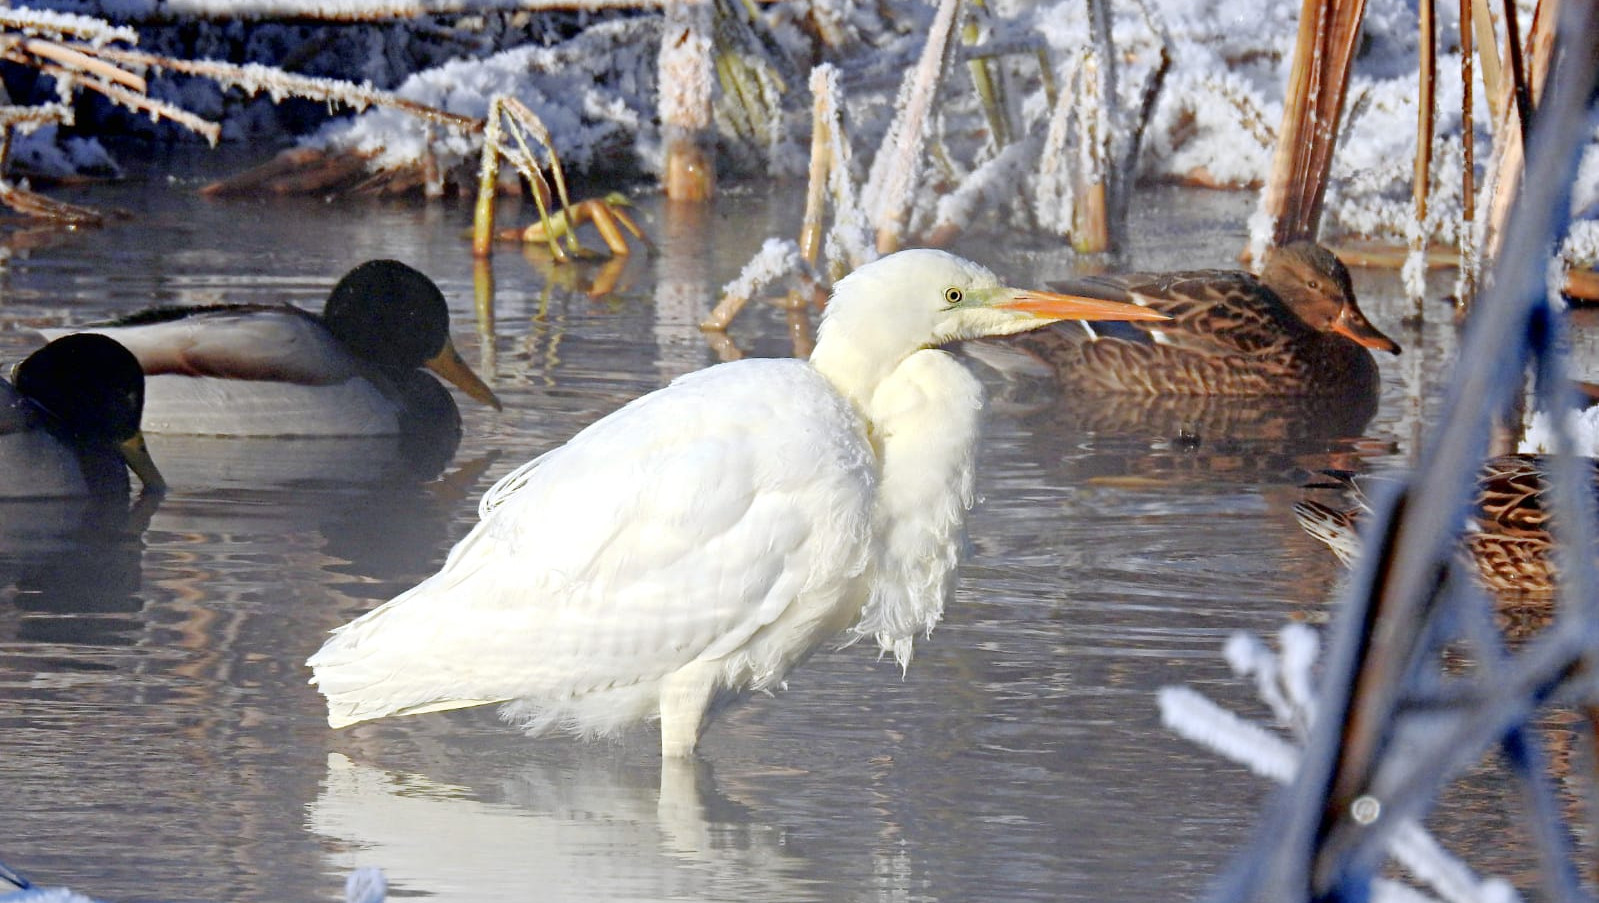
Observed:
{"x":856,"y":353}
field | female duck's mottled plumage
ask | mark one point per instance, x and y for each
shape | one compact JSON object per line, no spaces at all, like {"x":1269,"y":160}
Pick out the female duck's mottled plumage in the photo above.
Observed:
{"x":1507,"y":537}
{"x":255,"y":369}
{"x":69,"y":422}
{"x":1294,"y":330}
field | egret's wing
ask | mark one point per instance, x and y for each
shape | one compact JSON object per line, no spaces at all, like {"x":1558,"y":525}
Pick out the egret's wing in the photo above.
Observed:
{"x":670,"y":531}
{"x":243,"y":342}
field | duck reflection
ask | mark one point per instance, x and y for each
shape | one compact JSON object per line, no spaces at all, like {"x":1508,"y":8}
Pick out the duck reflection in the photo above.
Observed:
{"x":1187,"y":437}
{"x":72,"y":568}
{"x":578,"y":827}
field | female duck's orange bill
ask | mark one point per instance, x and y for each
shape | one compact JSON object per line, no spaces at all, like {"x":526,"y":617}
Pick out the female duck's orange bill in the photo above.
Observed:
{"x":1352,"y":324}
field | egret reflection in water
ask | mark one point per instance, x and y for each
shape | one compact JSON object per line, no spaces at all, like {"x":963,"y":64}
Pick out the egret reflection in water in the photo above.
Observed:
{"x":579,"y":827}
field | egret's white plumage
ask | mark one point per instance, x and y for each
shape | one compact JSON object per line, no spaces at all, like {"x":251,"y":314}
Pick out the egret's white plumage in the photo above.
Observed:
{"x":706,"y":538}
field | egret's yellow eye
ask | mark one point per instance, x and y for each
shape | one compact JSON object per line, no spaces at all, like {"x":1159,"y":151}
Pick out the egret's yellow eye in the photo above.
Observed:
{"x":953,"y":295}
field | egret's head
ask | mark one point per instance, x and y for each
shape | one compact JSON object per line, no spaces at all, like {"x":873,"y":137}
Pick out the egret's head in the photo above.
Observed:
{"x":923,"y":297}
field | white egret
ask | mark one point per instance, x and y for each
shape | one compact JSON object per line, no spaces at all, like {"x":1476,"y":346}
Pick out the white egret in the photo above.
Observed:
{"x":704,"y":539}
{"x":69,"y":422}
{"x":276,"y":370}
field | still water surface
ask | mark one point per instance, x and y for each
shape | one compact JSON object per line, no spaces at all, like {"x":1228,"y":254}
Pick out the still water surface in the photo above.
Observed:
{"x":158,"y":740}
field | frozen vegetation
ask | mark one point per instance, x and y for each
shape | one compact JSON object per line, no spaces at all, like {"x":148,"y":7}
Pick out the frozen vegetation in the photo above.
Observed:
{"x":590,"y":74}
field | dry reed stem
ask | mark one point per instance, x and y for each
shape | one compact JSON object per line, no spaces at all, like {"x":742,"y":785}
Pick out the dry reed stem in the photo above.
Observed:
{"x":1421,"y":176}
{"x":908,"y":133}
{"x":38,"y":206}
{"x":76,"y":59}
{"x":371,"y":11}
{"x":257,"y":79}
{"x":26,"y":118}
{"x":210,"y":131}
{"x":987,"y":80}
{"x":1509,"y":144}
{"x":810,"y":237}
{"x":1091,"y":230}
{"x":507,"y":114}
{"x":488,"y":177}
{"x":1468,"y":152}
{"x":1487,"y":41}
{"x":1313,"y":105}
{"x":1514,"y":59}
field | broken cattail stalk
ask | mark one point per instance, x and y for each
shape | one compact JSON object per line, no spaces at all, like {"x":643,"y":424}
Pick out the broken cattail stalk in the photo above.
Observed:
{"x":488,"y":177}
{"x":810,"y":238}
{"x":686,"y":75}
{"x":1090,"y":204}
{"x":1312,"y":108}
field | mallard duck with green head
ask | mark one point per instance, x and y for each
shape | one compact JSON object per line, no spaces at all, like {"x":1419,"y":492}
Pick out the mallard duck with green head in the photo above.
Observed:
{"x":69,"y":422}
{"x":277,"y":370}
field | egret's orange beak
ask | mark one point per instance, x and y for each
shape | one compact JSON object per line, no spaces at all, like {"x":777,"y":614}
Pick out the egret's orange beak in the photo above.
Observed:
{"x":1055,"y":306}
{"x":448,"y":364}
{"x":1352,"y":324}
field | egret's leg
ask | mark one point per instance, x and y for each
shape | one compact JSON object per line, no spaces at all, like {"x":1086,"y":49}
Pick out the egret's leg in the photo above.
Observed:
{"x":685,"y":695}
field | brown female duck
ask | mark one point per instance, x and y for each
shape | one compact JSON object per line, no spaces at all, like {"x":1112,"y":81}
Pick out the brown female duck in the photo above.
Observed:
{"x":1293,"y":330}
{"x":1507,"y":536}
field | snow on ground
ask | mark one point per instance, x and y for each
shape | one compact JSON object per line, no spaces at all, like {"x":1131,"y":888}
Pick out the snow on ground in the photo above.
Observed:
{"x":594,"y":85}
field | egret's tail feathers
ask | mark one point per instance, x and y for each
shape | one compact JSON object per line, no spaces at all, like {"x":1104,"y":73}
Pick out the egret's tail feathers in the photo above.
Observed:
{"x":344,"y":712}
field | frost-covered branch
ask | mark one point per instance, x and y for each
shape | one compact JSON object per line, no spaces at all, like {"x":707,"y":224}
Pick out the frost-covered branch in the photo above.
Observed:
{"x":1284,"y":683}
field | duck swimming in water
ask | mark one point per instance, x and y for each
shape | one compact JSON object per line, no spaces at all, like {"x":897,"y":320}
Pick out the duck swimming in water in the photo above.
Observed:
{"x":1506,"y":537}
{"x":69,"y":422}
{"x":276,"y":370}
{"x":1293,"y":330}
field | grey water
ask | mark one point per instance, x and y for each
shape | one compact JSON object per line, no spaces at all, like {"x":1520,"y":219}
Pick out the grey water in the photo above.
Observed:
{"x":158,"y":740}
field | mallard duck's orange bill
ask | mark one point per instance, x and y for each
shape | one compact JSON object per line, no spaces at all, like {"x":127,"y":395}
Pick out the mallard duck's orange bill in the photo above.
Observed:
{"x":1352,"y":324}
{"x":1055,"y":306}
{"x":143,"y":466}
{"x":448,"y":364}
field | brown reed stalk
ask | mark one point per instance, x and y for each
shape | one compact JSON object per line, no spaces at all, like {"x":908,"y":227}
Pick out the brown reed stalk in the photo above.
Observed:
{"x":1515,"y":61}
{"x":488,"y":177}
{"x":1509,"y":143}
{"x":1090,"y":201}
{"x":1467,"y":288}
{"x":1421,"y":178}
{"x":810,"y":239}
{"x":1487,"y":41}
{"x":1312,"y":109}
